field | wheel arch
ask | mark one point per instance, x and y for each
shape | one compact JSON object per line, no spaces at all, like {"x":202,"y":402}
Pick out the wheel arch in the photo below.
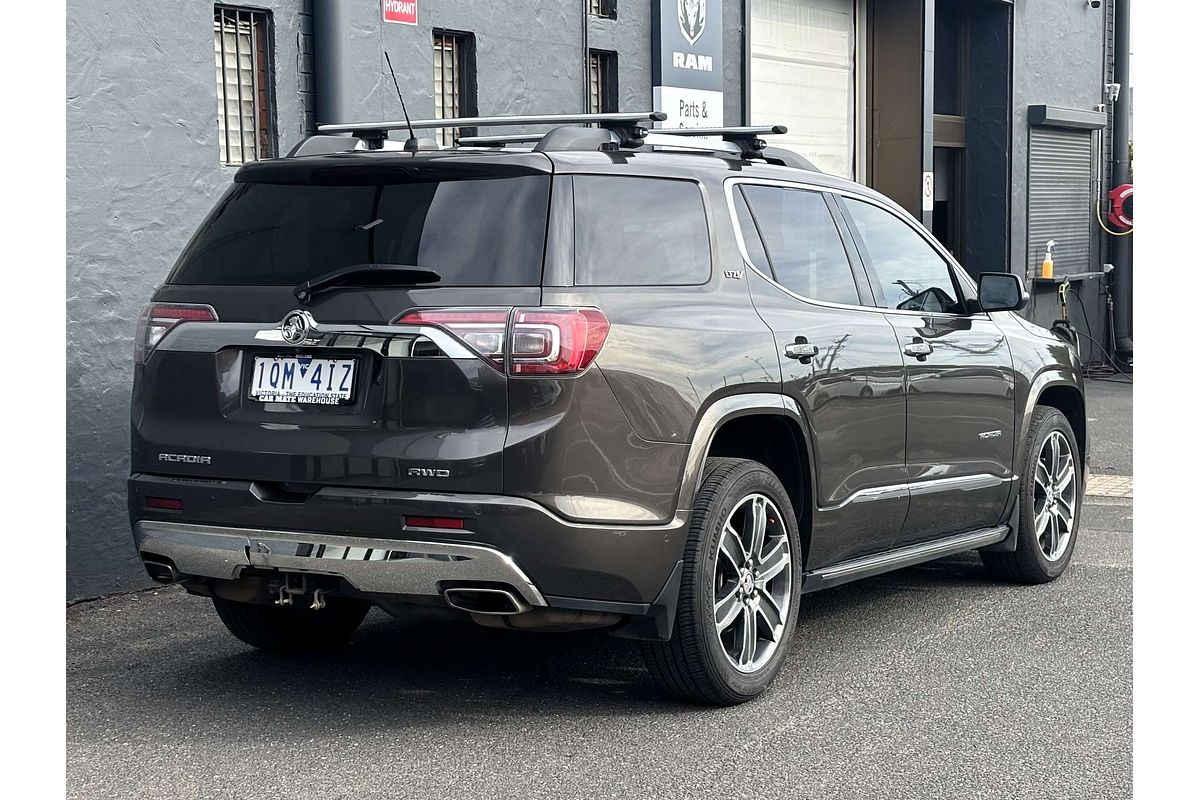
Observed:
{"x":1066,"y":395}
{"x":767,"y":428}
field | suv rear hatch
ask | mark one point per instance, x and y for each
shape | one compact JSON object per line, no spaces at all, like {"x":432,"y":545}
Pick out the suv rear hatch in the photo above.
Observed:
{"x":220,"y":392}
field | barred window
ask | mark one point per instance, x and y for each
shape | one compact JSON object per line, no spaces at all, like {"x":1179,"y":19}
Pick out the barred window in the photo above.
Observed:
{"x":602,"y":81}
{"x":241,"y":46}
{"x":603,"y":8}
{"x":453,"y":81}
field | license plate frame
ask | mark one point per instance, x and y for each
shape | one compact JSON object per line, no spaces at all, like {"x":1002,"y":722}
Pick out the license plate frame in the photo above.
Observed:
{"x":340,"y":391}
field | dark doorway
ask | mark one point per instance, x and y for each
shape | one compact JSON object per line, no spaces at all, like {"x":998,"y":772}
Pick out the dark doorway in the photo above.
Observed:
{"x":951,"y":66}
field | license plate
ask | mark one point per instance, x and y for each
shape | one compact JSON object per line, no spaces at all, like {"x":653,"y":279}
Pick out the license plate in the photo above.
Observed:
{"x":302,"y":379}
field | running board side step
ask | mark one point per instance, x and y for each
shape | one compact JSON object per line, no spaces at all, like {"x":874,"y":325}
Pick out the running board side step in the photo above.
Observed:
{"x":867,"y":566}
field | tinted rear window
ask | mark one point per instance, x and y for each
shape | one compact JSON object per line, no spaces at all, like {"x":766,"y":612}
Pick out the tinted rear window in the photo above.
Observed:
{"x":639,"y":231}
{"x":473,"y":232}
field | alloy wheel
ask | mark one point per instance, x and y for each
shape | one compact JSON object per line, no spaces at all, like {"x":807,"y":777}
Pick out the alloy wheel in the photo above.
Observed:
{"x":752,"y":590}
{"x":1055,"y":490}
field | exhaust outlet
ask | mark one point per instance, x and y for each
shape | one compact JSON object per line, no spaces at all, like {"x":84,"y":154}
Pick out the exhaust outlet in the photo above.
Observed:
{"x":499,"y":602}
{"x":161,"y":570}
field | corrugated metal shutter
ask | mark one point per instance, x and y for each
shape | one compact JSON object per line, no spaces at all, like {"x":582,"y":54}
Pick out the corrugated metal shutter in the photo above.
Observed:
{"x":1060,"y":199}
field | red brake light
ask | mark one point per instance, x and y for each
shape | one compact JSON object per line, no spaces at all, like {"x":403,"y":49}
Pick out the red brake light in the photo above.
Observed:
{"x":538,"y":341}
{"x":158,"y":318}
{"x":560,"y":341}
{"x":170,"y":503}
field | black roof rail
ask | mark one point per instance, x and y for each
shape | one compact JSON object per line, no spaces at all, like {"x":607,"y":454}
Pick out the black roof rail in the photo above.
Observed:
{"x":499,"y":140}
{"x":787,"y":158}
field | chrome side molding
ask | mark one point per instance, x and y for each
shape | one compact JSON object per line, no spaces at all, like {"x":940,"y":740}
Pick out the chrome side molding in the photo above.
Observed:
{"x":960,"y":482}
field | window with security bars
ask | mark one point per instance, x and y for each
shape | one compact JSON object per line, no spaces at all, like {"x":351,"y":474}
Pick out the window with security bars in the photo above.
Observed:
{"x":453,"y":81}
{"x":603,"y":8}
{"x":241,"y":46}
{"x":602,"y":81}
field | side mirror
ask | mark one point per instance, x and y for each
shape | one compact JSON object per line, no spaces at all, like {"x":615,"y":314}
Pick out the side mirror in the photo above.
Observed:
{"x":1001,"y":291}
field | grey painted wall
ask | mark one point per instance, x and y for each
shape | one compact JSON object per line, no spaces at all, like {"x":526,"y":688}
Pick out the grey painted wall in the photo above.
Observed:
{"x":1058,"y":59}
{"x":142,"y":168}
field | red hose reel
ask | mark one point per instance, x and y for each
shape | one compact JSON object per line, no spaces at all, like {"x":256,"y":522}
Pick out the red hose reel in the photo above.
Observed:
{"x":1120,"y":210}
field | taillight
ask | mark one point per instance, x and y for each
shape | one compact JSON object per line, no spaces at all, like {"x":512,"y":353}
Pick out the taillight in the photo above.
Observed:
{"x":537,"y":341}
{"x":482,"y":331}
{"x":158,"y":318}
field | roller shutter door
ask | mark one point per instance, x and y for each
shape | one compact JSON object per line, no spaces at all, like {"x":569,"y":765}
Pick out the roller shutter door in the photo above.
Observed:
{"x":1060,"y":199}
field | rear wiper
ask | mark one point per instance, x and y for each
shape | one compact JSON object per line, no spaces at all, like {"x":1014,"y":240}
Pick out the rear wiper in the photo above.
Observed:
{"x":366,"y":275}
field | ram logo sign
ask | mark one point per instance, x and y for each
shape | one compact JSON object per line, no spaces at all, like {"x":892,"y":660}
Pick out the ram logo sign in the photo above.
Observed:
{"x":692,"y":19}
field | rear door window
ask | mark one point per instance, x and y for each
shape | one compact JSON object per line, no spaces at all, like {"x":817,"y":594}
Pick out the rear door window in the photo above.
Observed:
{"x":640,"y":231}
{"x":472,"y":232}
{"x":802,"y":243}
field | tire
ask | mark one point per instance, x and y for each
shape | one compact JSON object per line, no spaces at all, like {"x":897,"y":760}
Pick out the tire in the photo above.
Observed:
{"x":698,"y":662}
{"x":1042,"y":554}
{"x":292,"y":629}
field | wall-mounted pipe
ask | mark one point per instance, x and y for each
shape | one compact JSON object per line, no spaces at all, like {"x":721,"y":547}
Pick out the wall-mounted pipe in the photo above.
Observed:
{"x":1121,"y":247}
{"x":331,"y":37}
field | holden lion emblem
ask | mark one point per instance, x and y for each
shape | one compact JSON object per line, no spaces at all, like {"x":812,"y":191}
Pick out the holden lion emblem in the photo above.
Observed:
{"x":296,"y":326}
{"x":691,"y":19}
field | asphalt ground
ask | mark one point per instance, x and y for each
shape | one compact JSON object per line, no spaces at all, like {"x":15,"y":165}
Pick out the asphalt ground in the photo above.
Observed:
{"x":930,"y":682}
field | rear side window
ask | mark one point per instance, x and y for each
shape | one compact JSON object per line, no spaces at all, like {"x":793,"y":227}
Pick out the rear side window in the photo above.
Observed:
{"x":639,"y":231}
{"x":802,"y":243}
{"x":472,"y":232}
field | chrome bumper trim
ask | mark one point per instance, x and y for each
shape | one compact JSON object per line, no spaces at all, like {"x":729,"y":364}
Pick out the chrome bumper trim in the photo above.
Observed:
{"x":384,"y":566}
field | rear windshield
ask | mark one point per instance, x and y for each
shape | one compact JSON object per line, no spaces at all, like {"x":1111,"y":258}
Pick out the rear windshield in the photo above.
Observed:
{"x":472,"y":232}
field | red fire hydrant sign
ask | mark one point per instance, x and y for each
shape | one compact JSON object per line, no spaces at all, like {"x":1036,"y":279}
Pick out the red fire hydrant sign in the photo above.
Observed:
{"x":401,"y":11}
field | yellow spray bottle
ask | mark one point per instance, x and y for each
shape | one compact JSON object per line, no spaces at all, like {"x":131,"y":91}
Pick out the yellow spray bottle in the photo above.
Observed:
{"x":1048,"y":261}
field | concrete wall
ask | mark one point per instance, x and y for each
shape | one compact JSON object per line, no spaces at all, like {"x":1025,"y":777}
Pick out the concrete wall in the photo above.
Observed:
{"x":142,"y":169}
{"x":529,"y":57}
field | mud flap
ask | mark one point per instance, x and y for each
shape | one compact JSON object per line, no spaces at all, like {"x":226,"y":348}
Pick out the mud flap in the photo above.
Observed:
{"x":1009,"y":543}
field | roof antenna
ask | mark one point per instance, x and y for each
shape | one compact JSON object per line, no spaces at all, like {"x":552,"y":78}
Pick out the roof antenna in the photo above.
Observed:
{"x":411,"y":145}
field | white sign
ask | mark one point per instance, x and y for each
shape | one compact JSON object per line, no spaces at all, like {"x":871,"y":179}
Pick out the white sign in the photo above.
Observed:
{"x":689,"y":108}
{"x":927,"y":191}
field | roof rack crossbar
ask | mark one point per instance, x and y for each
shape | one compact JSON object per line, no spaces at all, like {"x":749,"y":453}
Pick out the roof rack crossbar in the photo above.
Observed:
{"x":659,"y":138}
{"x":743,"y":132}
{"x":610,"y":120}
{"x":747,"y":138}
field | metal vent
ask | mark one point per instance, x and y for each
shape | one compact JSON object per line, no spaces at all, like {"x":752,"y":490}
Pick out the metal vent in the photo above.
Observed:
{"x":1060,"y":199}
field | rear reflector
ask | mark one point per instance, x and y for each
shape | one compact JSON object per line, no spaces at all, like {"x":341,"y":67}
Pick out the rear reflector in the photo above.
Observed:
{"x":171,"y":503}
{"x":536,"y":341}
{"x":157,"y":319}
{"x":432,"y":522}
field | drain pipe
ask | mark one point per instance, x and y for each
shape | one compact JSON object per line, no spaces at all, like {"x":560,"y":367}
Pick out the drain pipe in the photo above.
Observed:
{"x":331,"y":37}
{"x":587,"y":62}
{"x":1121,"y":247}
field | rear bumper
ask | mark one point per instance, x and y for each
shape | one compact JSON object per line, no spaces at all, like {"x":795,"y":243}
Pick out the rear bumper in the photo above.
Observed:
{"x":373,"y":566}
{"x":549,"y":560}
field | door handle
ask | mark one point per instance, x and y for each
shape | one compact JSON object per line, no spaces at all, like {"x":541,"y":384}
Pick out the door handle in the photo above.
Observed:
{"x":918,"y":348}
{"x":801,"y":350}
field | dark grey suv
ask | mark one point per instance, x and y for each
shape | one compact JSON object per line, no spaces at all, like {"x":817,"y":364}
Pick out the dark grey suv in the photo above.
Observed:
{"x":620,"y":379}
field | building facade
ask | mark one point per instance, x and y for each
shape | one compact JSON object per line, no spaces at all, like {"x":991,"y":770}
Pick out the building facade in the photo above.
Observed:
{"x":989,"y":120}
